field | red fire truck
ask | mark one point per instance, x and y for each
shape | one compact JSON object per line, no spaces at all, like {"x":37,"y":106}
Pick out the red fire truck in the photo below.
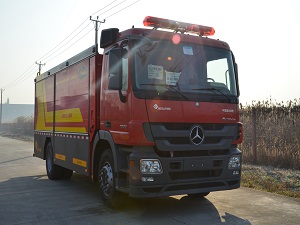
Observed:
{"x":155,"y":115}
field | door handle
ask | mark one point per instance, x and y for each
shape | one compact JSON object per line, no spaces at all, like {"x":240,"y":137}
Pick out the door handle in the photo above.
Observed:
{"x":108,"y":124}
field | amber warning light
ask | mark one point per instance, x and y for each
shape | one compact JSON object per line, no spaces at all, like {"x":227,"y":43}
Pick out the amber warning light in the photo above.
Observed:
{"x":182,"y":27}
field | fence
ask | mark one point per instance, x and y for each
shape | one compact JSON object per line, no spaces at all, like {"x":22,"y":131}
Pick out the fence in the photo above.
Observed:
{"x":272,"y":134}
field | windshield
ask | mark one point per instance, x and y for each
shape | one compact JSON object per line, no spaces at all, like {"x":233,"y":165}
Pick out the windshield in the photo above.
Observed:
{"x":191,"y":69}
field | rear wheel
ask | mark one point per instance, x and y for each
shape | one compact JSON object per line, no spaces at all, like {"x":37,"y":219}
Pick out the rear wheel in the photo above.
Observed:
{"x":54,"y":172}
{"x":106,"y":179}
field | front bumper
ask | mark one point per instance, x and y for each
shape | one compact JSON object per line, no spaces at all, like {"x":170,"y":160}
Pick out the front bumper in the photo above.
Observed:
{"x":182,"y":175}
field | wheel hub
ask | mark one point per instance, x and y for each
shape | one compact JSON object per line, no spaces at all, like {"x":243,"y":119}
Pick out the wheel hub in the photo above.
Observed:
{"x":106,"y":179}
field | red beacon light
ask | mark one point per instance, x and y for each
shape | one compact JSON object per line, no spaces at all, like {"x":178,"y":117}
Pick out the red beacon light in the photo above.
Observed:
{"x":182,"y":27}
{"x":201,"y":30}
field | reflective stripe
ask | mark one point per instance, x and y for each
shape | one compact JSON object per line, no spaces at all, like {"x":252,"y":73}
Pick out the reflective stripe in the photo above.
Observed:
{"x":79,"y":162}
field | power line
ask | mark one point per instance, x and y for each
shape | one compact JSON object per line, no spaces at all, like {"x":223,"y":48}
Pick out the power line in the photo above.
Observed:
{"x":70,"y":45}
{"x":122,"y":9}
{"x":66,"y":43}
{"x":89,"y":30}
{"x":21,"y":78}
{"x":43,"y":58}
{"x":112,"y":7}
{"x":28,"y":72}
{"x":104,"y":7}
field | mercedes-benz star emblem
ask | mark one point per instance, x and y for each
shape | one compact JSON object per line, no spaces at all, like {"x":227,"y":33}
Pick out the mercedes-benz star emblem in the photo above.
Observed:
{"x":197,"y":135}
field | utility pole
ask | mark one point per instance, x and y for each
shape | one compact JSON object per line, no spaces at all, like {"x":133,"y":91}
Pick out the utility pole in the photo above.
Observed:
{"x":96,"y":30}
{"x":2,"y":90}
{"x":40,"y":67}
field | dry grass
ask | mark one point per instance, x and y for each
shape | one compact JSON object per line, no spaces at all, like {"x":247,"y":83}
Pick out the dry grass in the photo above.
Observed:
{"x":277,"y":133}
{"x":280,"y":181}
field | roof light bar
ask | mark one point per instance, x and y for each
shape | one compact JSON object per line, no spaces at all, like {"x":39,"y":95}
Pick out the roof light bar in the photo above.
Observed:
{"x":182,"y":27}
{"x":201,"y":30}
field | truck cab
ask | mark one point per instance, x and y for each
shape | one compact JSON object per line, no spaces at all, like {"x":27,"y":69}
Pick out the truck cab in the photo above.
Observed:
{"x":169,"y":100}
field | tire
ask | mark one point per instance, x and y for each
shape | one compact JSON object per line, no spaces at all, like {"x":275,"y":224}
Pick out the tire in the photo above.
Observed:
{"x":106,"y":179}
{"x":54,"y":172}
{"x":198,"y":195}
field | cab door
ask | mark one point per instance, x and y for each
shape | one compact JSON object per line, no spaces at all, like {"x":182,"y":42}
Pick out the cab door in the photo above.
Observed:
{"x":117,"y":100}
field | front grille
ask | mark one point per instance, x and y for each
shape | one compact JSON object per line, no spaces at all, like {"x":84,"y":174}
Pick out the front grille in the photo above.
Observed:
{"x":187,"y":126}
{"x":186,"y":140}
{"x":195,"y":153}
{"x":176,"y":137}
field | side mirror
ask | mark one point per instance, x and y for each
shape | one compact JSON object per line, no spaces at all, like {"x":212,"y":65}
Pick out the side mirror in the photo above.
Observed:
{"x":108,"y":37}
{"x":115,"y":69}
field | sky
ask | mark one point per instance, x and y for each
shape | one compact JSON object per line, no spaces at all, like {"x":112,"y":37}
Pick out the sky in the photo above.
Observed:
{"x":263,"y":35}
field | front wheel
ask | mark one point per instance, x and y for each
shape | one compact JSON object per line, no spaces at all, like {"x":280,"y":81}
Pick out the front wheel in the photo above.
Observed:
{"x":106,"y":178}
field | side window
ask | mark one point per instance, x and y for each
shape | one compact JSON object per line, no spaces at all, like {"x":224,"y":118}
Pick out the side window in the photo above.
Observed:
{"x":217,"y":72}
{"x":125,"y":68}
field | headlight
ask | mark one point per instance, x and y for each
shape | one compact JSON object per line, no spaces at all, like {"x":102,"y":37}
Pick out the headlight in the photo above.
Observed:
{"x":150,"y":166}
{"x":234,"y":162}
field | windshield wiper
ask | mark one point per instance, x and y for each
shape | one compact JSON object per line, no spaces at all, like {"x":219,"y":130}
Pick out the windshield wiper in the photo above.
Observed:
{"x":214,"y":90}
{"x":170,"y":88}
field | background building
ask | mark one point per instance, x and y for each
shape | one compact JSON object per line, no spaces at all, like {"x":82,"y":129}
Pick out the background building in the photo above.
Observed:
{"x":12,"y":111}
